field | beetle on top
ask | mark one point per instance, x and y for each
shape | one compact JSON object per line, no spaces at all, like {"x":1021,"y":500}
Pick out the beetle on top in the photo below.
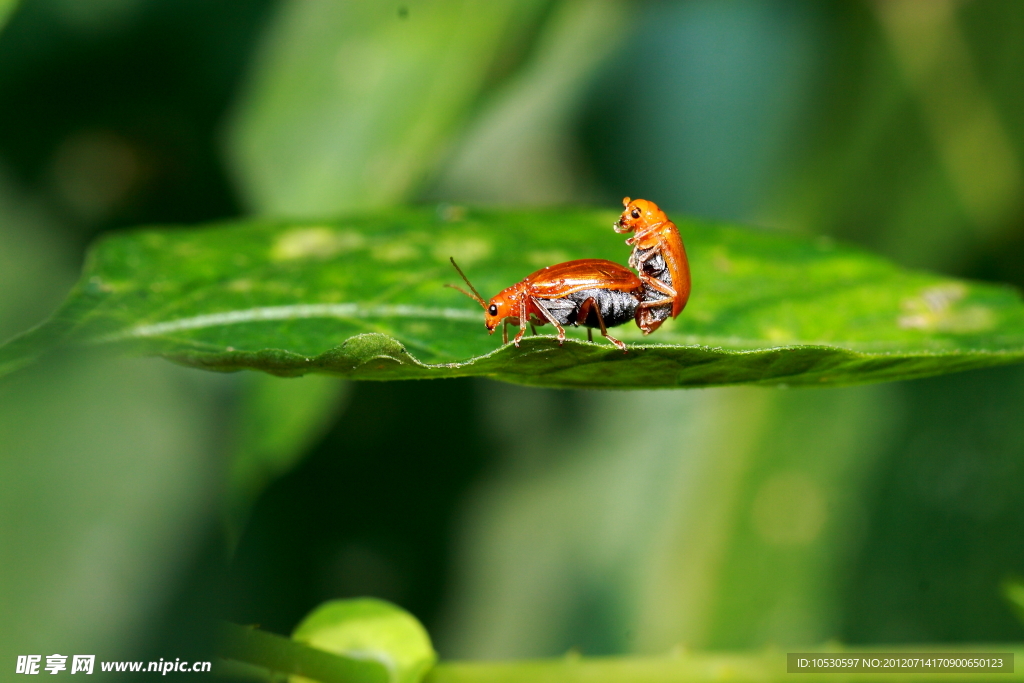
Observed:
{"x":659,"y":259}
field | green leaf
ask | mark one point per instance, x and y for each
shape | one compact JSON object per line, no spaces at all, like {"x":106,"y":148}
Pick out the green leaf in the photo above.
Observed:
{"x":370,"y":629}
{"x":363,"y":297}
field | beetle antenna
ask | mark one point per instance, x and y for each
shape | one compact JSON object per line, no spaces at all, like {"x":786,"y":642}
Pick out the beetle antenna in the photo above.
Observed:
{"x":475,"y":295}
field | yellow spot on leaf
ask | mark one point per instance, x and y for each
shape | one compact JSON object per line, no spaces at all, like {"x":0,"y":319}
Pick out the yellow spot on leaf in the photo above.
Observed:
{"x":937,"y":309}
{"x":314,"y":243}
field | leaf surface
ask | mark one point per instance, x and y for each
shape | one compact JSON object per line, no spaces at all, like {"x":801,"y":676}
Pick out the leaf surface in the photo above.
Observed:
{"x":364,"y":297}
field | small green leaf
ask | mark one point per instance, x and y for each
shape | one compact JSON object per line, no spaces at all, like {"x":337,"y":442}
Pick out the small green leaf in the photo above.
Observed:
{"x":364,"y":297}
{"x":370,"y":629}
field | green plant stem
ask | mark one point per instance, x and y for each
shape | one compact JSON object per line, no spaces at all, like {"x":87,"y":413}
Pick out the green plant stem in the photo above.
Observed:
{"x":252,"y":646}
{"x":763,"y":667}
{"x":277,"y":653}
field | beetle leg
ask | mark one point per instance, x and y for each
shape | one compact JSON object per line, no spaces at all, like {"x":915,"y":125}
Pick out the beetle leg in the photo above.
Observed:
{"x":522,"y":321}
{"x":585,"y":312}
{"x":636,"y":262}
{"x":645,"y":321}
{"x":613,"y":340}
{"x":655,"y":304}
{"x":642,"y":234}
{"x":533,"y":330}
{"x":657,"y":284}
{"x":504,"y":331}
{"x":551,"y":319}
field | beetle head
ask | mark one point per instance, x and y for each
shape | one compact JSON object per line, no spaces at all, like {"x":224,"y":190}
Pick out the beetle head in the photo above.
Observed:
{"x":496,"y":310}
{"x":639,"y":213}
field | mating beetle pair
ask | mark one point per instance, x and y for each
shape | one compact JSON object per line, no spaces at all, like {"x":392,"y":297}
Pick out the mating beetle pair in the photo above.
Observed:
{"x":599,"y":293}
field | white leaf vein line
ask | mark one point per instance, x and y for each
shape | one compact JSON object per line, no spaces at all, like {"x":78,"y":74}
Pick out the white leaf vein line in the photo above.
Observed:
{"x":291,"y":312}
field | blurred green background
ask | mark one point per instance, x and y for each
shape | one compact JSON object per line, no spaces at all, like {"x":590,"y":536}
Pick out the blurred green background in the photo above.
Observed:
{"x":138,"y":499}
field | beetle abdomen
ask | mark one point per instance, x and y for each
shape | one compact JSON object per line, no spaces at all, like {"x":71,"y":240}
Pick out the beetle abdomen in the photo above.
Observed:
{"x":655,"y":267}
{"x":616,"y":307}
{"x":562,"y":310}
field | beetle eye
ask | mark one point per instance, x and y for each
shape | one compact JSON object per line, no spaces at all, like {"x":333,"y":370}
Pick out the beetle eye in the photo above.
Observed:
{"x":636,"y":213}
{"x":493,"y":310}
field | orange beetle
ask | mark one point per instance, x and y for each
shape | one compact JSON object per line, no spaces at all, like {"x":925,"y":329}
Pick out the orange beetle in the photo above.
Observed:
{"x":659,"y":259}
{"x":592,"y":292}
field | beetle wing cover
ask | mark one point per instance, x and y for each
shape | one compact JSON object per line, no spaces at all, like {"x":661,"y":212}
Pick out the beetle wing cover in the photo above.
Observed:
{"x":674,"y":254}
{"x":562,"y":279}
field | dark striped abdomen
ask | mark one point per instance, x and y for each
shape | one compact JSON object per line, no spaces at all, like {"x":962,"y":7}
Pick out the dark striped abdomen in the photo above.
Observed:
{"x":656,"y":268}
